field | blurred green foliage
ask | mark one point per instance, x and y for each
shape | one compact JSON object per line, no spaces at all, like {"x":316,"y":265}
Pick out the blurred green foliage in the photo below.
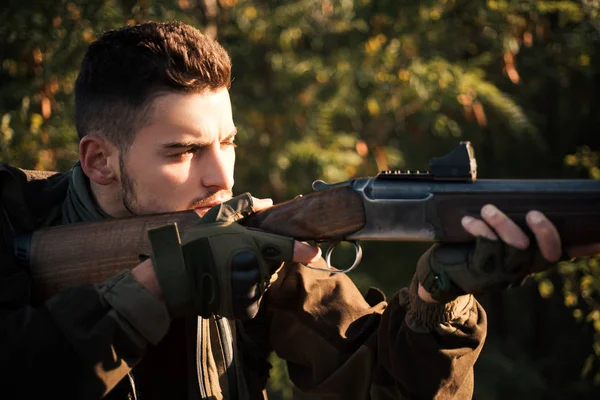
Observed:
{"x":580,"y":282}
{"x":343,"y":88}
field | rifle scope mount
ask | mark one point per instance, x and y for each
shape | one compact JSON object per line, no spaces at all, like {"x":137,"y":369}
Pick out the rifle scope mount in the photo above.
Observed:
{"x":458,"y":165}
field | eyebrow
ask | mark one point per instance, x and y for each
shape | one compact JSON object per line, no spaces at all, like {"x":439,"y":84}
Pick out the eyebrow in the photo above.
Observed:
{"x":193,"y":143}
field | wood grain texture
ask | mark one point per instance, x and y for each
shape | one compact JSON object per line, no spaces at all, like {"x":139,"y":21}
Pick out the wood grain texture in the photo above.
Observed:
{"x":325,"y":215}
{"x":575,"y":215}
{"x":81,"y":253}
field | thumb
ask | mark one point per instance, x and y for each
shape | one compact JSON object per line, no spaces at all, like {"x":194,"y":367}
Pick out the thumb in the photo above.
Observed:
{"x":261,"y":204}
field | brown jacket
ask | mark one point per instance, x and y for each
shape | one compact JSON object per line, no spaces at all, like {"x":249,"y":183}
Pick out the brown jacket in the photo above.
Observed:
{"x":338,"y":344}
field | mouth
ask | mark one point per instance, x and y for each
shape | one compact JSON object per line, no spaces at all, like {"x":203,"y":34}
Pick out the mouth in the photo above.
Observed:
{"x":202,"y":208}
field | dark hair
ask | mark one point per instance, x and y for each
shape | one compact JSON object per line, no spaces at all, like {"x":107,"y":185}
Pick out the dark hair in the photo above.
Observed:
{"x":126,"y":69}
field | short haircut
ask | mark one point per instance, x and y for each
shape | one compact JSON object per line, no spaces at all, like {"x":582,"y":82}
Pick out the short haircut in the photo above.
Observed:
{"x":126,"y":69}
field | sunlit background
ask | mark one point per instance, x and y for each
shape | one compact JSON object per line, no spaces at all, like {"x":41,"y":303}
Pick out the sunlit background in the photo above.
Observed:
{"x":336,"y":89}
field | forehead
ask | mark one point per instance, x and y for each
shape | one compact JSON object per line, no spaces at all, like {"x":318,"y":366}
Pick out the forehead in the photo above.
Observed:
{"x":172,"y":115}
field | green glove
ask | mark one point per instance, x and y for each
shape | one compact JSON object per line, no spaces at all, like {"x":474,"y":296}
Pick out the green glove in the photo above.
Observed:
{"x":447,"y":271}
{"x":219,"y":267}
{"x":233,"y":210}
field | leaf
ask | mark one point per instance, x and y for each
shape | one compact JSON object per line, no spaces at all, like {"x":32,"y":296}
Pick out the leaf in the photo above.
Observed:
{"x":587,"y":366}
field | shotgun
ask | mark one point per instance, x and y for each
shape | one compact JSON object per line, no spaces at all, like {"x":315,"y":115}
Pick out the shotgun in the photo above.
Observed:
{"x":392,"y":206}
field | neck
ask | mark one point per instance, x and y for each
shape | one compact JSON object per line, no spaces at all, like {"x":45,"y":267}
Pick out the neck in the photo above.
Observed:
{"x":109,"y":199}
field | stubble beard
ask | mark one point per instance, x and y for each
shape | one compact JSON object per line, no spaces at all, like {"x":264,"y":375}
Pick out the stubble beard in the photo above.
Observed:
{"x":128,"y":190}
{"x":130,"y":200}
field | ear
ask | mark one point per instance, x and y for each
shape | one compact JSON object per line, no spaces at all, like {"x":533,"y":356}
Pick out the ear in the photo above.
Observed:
{"x":97,"y":156}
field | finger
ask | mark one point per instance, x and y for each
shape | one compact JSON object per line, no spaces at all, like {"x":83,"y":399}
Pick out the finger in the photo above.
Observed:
{"x":261,"y":204}
{"x":477,"y":227}
{"x":305,"y":253}
{"x":583,"y":250}
{"x":505,"y":228}
{"x":546,"y":235}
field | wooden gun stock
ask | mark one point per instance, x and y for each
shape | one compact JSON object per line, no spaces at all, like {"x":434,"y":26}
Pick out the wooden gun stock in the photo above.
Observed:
{"x":321,"y":216}
{"x":76,"y":254}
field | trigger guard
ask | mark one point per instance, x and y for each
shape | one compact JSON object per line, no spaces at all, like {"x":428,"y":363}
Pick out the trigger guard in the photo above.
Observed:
{"x":357,"y":259}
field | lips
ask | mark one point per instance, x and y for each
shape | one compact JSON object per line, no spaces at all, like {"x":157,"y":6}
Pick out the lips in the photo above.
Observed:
{"x":201,"y":210}
{"x":211,"y":204}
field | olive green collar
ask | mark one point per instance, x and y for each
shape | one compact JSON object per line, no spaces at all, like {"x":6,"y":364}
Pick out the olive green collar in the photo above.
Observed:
{"x":80,"y":204}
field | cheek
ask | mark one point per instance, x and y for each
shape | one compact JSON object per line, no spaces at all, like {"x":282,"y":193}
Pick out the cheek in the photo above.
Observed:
{"x":161,"y":179}
{"x":168,"y":188}
{"x":174,"y":174}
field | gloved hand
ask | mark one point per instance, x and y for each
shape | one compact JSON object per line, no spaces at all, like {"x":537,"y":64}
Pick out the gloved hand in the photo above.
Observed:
{"x":447,"y":271}
{"x":502,"y":255}
{"x":218,"y":267}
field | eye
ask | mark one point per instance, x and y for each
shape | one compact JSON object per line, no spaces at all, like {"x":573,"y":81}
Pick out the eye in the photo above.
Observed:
{"x":184,"y":154}
{"x":228,"y":142}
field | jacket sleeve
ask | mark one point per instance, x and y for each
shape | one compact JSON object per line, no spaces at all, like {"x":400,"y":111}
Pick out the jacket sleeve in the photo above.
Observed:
{"x":339,"y":344}
{"x":81,"y":342}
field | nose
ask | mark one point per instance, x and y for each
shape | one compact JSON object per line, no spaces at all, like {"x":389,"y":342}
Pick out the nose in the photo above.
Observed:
{"x":216,"y":168}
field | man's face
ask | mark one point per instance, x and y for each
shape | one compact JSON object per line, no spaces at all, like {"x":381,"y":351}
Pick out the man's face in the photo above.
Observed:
{"x":183,"y":159}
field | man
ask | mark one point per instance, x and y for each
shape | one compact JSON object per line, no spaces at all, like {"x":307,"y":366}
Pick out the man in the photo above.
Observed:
{"x":195,"y":319}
